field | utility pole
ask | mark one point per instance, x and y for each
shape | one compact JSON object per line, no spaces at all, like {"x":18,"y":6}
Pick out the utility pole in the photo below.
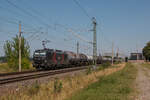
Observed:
{"x":77,"y":48}
{"x":20,"y":46}
{"x":112,"y":53}
{"x":94,"y":40}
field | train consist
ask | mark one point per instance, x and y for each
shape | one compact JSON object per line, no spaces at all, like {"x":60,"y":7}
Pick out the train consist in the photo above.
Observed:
{"x":52,"y":59}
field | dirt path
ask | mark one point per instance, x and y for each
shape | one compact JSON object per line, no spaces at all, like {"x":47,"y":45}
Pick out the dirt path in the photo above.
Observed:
{"x":143,"y":82}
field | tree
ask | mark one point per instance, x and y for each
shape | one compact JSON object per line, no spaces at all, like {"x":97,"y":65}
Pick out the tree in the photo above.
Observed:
{"x":146,"y":51}
{"x":11,"y":49}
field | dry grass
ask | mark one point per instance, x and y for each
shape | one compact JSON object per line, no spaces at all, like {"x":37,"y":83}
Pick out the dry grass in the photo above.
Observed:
{"x":70,"y":85}
{"x":4,"y":68}
{"x":146,"y":64}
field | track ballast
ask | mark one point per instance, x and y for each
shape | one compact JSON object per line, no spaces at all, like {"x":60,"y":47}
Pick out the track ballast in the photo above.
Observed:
{"x":23,"y":75}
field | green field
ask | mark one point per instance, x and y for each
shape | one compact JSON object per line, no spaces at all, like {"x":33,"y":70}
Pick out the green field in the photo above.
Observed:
{"x":117,"y":86}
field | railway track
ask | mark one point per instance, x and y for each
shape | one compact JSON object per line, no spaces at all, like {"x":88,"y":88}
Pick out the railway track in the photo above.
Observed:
{"x":25,"y":76}
{"x":16,"y":73}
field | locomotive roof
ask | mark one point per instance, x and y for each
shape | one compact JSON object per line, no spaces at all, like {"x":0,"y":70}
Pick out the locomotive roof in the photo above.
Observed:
{"x":43,"y":50}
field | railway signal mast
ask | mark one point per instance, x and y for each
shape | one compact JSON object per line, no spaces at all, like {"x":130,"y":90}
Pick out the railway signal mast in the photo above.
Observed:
{"x":94,"y":40}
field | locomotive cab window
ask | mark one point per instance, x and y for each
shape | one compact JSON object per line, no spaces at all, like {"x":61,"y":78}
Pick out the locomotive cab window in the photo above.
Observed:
{"x":43,"y":54}
{"x":40,"y":54}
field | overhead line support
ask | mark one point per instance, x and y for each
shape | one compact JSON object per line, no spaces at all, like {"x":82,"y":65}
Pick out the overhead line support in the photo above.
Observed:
{"x":94,"y":40}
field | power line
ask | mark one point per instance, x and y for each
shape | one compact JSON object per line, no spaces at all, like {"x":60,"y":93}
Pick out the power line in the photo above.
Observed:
{"x":28,"y":13}
{"x":75,"y":34}
{"x":16,"y":13}
{"x":14,"y":22}
{"x":34,"y":11}
{"x":84,"y":11}
{"x":31,"y":14}
{"x":8,"y":21}
{"x":8,"y":10}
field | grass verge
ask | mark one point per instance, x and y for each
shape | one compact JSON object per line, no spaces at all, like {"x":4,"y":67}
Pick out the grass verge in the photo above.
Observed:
{"x":117,"y":86}
{"x":146,"y":64}
{"x":4,"y":68}
{"x":60,"y":89}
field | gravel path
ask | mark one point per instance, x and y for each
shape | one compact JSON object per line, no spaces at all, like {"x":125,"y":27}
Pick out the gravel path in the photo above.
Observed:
{"x":143,"y":82}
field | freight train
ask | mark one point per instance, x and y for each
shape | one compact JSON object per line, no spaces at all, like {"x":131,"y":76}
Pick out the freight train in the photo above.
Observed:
{"x":52,"y":59}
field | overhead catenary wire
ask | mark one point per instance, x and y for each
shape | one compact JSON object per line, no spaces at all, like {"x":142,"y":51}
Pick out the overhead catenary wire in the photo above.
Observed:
{"x":33,"y":10}
{"x":15,"y":22}
{"x":10,"y":11}
{"x":32,"y":15}
{"x":18,"y":19}
{"x":8,"y":21}
{"x":75,"y":34}
{"x":84,"y":11}
{"x":28,"y":13}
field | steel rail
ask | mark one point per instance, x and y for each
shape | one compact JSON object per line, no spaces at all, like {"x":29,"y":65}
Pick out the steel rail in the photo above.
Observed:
{"x":27,"y":77}
{"x":17,"y":73}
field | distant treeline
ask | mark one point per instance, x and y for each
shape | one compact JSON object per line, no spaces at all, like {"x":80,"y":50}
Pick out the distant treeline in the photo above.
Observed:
{"x":3,"y":59}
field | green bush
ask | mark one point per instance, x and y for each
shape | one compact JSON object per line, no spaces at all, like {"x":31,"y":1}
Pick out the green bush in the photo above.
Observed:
{"x":117,"y":62}
{"x":57,"y":86}
{"x":89,"y":70}
{"x":11,"y":49}
{"x":13,"y":63}
{"x":34,"y":89}
{"x":106,"y":65}
{"x":25,"y":63}
{"x":103,"y":66}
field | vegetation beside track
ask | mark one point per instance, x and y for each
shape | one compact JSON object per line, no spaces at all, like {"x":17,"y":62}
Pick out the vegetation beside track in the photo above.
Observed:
{"x":4,"y":68}
{"x":146,"y":64}
{"x":60,"y":89}
{"x":117,"y":86}
{"x":11,"y":49}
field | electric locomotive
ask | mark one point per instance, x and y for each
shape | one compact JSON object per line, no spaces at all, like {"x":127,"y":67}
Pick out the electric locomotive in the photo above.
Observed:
{"x":48,"y":58}
{"x":51,"y":59}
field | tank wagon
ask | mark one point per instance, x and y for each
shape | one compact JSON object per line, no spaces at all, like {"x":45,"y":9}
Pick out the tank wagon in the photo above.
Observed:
{"x":52,"y":59}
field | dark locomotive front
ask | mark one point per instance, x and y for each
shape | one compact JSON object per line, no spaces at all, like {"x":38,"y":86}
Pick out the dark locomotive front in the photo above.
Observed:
{"x":40,"y":58}
{"x":49,"y":59}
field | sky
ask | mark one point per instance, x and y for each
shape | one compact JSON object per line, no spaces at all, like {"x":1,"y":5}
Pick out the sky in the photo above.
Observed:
{"x":122,"y":22}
